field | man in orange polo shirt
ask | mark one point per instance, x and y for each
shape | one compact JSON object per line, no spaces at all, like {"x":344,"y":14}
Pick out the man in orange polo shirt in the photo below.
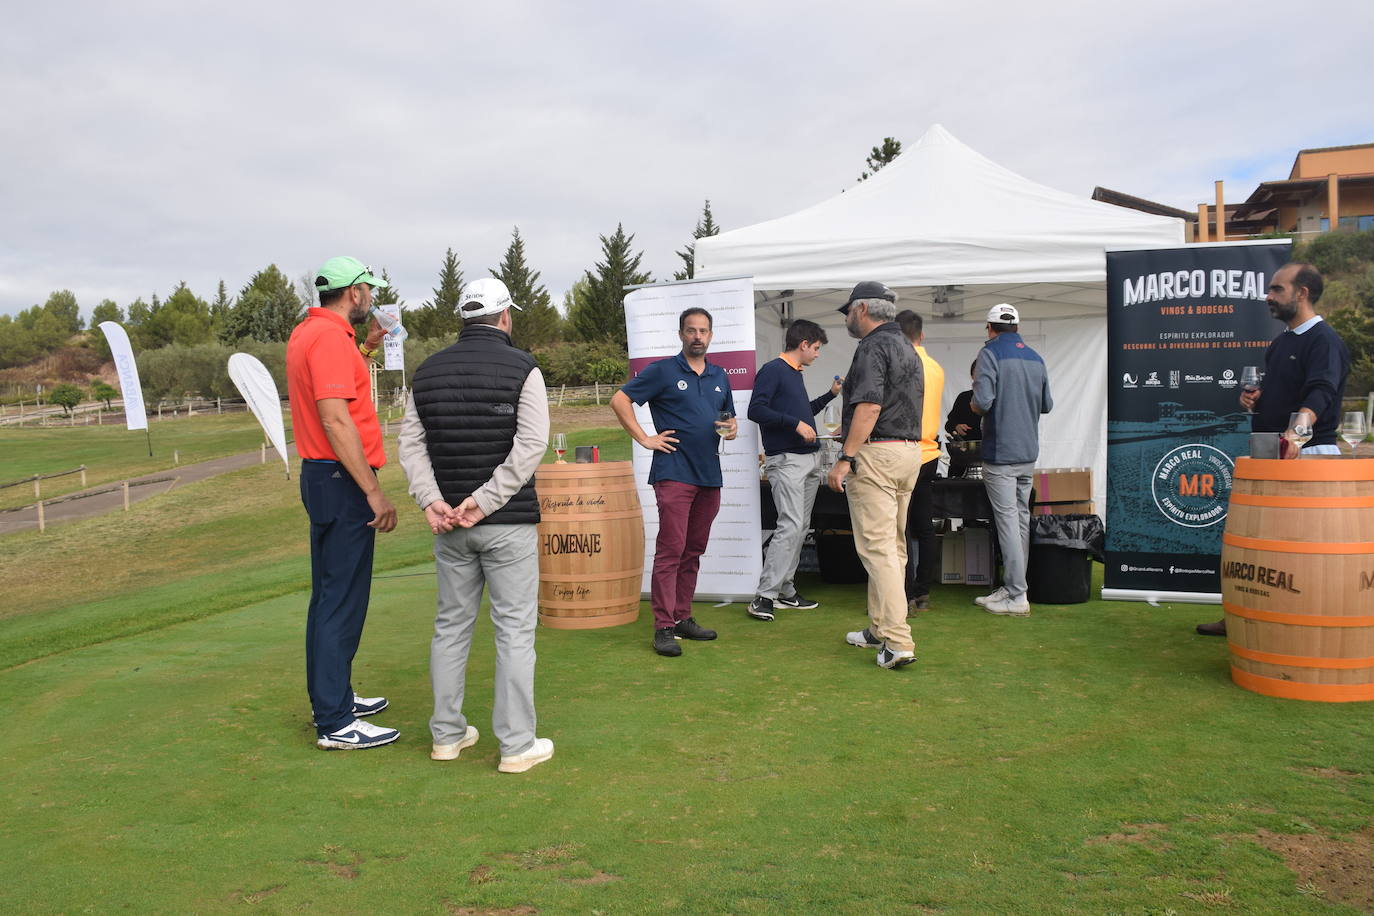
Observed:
{"x":340,"y":444}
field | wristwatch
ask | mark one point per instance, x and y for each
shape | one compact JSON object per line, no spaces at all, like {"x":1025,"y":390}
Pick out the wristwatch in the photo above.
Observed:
{"x":843,"y":457}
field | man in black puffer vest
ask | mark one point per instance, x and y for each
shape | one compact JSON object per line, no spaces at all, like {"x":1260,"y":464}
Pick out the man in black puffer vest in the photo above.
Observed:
{"x":476,"y":427}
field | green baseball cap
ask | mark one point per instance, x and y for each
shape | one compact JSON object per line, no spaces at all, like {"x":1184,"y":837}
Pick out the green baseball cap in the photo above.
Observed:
{"x":342,"y":272}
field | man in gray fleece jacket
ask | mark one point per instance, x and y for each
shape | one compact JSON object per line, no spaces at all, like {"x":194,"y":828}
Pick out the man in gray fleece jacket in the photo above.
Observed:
{"x":1011,"y":389}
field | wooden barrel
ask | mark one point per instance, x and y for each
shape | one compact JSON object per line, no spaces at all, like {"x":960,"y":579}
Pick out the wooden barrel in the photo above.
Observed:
{"x":591,"y":545}
{"x":1297,"y":578}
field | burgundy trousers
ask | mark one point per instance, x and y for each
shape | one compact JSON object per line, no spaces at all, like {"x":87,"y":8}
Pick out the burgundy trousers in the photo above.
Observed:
{"x":685,"y":514}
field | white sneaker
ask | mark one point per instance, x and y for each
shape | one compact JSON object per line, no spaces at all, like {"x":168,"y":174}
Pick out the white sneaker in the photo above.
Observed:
{"x":538,"y":752}
{"x":1008,"y":607}
{"x":997,"y":595}
{"x":451,"y":751}
{"x":356,"y":736}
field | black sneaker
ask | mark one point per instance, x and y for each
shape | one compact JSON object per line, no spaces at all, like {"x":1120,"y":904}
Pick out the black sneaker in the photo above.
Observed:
{"x":761,"y":608}
{"x":796,"y":601}
{"x":690,"y":629}
{"x":665,"y":643}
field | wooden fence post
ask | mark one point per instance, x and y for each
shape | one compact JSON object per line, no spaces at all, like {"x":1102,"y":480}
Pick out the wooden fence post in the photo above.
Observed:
{"x":126,"y":495}
{"x":37,"y":487}
{"x":176,"y":457}
{"x":41,"y":525}
{"x":264,"y":454}
{"x":83,"y":477}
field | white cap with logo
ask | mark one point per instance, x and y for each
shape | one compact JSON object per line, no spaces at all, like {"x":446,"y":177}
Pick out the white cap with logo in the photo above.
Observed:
{"x":1002,"y":313}
{"x":487,"y":296}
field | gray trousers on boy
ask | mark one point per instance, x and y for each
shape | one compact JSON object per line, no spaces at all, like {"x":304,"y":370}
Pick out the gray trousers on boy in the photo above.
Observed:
{"x":1009,"y":488}
{"x":506,"y":559}
{"x":794,"y":479}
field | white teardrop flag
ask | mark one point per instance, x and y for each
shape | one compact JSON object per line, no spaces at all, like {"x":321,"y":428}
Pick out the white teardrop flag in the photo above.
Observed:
{"x":129,"y":386}
{"x":255,"y":383}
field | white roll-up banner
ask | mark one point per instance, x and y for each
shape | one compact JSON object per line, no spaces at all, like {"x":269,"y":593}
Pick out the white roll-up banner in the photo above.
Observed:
{"x":733,"y":560}
{"x":130,"y":389}
{"x":259,"y":389}
{"x":393,"y":350}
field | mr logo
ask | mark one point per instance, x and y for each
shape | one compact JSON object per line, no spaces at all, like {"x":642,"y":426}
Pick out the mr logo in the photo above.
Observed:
{"x":1197,"y":485}
{"x":1366,"y":580}
{"x":682,"y":384}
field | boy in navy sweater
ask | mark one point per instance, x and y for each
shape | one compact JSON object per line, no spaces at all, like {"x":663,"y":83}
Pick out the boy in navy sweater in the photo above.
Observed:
{"x":784,"y":415}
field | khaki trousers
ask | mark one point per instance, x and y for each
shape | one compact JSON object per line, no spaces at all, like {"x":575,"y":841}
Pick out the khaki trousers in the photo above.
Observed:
{"x":879,"y":494}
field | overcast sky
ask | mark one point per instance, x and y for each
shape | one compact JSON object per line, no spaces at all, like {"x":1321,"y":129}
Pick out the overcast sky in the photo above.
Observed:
{"x":149,"y":143}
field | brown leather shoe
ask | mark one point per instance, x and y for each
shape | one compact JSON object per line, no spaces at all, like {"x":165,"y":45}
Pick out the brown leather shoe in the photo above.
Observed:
{"x":1213,"y":629}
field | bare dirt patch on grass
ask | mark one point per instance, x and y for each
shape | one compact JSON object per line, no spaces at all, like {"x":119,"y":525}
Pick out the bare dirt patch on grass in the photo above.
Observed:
{"x":1336,"y":870}
{"x":458,"y":910}
{"x":1129,"y":833}
{"x":582,"y":416}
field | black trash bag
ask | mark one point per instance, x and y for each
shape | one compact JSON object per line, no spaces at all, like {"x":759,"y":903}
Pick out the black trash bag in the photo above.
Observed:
{"x":1072,"y":532}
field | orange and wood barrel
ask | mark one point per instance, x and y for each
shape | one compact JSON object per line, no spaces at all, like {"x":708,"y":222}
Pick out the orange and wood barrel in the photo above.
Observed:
{"x":591,"y":545}
{"x":1297,"y":578}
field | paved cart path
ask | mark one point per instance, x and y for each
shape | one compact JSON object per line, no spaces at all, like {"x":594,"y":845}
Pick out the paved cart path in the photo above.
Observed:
{"x":108,"y":497}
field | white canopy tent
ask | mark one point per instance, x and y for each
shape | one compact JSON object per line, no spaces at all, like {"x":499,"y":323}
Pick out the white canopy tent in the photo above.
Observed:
{"x":954,"y":233}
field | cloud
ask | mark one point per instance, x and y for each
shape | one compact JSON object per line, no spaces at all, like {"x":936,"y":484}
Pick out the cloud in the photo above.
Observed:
{"x":152,"y":143}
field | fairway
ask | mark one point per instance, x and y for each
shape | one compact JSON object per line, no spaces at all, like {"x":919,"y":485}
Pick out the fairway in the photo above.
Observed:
{"x":1089,"y":759}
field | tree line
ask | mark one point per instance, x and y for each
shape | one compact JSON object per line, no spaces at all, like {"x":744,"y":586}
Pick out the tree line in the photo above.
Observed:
{"x":182,"y":340}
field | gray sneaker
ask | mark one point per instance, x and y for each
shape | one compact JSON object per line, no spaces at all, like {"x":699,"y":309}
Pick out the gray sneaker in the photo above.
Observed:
{"x":998,"y":594}
{"x":1007,"y":606}
{"x":895,"y":658}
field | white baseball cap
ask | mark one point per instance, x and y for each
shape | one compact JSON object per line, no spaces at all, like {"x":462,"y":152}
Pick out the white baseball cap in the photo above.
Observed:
{"x":487,"y":296}
{"x":1003,"y":313}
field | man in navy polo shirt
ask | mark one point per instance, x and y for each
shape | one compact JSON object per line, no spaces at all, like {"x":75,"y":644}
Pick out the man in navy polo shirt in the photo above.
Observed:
{"x":686,"y":396}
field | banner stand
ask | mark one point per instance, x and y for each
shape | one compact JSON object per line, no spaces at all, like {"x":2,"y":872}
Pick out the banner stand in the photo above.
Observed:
{"x":733,"y":560}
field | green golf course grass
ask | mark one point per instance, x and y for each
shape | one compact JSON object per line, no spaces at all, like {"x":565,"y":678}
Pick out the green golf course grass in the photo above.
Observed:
{"x":1092,"y":758}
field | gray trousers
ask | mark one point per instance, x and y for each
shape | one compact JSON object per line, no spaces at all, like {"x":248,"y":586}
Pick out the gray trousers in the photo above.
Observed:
{"x":1009,"y":488}
{"x":794,"y":480}
{"x":506,"y":559}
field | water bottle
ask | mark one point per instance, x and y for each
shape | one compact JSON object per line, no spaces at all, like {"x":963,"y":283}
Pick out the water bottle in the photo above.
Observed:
{"x":392,"y":326}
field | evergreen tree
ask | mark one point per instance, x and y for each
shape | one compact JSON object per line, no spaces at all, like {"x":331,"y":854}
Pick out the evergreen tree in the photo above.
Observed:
{"x":107,"y":310}
{"x":267,"y":309}
{"x":881,"y":155}
{"x":62,"y":306}
{"x":602,"y":315}
{"x":705,"y":226}
{"x":539,"y":324}
{"x":438,"y":318}
{"x":220,"y":307}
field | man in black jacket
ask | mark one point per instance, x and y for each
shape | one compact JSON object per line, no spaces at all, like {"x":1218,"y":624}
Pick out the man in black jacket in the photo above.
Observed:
{"x":475,"y":429}
{"x":1305,"y":369}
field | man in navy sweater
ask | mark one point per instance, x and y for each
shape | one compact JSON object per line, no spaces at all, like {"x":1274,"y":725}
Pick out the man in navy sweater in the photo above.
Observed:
{"x":784,"y":415}
{"x":1305,"y":369}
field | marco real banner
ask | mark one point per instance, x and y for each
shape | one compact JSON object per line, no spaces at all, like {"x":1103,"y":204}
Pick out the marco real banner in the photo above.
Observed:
{"x":1181,"y":325}
{"x":734,"y":557}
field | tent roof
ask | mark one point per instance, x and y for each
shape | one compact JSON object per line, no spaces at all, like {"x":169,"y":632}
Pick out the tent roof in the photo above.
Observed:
{"x":941,"y":215}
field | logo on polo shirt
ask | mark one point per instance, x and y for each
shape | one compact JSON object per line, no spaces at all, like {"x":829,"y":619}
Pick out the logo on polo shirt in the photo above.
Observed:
{"x":717,"y":387}
{"x":682,"y":385}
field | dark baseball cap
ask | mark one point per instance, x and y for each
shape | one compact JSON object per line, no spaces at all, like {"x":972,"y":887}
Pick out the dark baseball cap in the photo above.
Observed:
{"x":868,"y":289}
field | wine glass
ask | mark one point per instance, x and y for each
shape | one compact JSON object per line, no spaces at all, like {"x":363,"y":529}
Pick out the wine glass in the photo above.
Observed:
{"x":560,"y":447}
{"x":1295,"y":438}
{"x":830,"y":419}
{"x":722,"y":417}
{"x":1353,"y":429}
{"x":1249,"y":382}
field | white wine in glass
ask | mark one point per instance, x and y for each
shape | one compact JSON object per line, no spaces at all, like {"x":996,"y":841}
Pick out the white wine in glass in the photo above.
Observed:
{"x":1353,"y":429}
{"x":830,"y":419}
{"x":560,"y":446}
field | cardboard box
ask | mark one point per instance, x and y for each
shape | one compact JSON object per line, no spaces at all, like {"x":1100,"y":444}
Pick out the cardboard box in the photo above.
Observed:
{"x":952,"y":558}
{"x":1069,"y":508}
{"x":1057,"y":485}
{"x":977,"y":556}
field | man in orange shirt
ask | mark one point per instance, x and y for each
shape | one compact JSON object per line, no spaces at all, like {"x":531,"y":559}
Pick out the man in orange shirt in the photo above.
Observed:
{"x":340,"y":444}
{"x":920,"y":526}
